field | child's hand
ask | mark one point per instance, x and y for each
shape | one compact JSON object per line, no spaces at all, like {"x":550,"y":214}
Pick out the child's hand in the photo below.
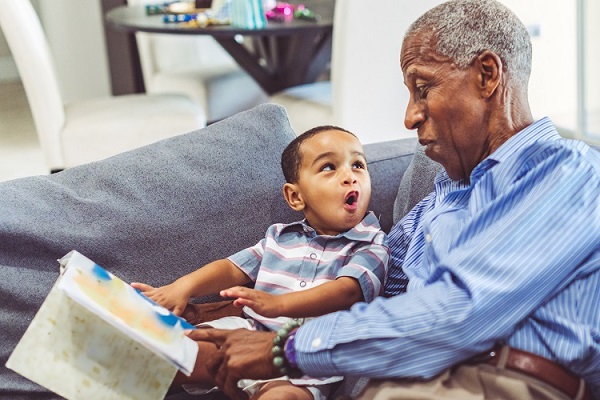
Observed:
{"x":169,"y":296}
{"x":261,"y":302}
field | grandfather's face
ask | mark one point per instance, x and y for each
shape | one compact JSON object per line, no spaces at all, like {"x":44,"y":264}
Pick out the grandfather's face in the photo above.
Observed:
{"x":445,"y":107}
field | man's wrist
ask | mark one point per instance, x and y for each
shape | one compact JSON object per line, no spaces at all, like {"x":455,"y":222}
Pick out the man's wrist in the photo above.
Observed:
{"x":284,"y":353}
{"x":289,"y":351}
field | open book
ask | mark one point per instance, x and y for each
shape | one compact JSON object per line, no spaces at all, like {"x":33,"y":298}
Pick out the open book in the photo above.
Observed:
{"x":126,"y":309}
{"x":97,"y":336}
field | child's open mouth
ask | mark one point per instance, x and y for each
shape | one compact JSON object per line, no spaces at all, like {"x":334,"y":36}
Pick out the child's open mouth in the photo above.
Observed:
{"x":352,"y":199}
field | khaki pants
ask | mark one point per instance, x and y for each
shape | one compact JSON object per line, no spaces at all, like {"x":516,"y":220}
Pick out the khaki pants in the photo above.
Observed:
{"x":466,"y":382}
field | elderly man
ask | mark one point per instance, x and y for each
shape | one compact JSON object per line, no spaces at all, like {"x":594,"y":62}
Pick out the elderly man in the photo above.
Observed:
{"x":502,"y":259}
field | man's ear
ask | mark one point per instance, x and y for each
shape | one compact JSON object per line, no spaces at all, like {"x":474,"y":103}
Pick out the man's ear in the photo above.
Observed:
{"x":490,"y":70}
{"x":292,"y":195}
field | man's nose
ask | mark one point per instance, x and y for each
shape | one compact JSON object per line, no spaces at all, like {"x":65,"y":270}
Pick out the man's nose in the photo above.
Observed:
{"x":415,"y":116}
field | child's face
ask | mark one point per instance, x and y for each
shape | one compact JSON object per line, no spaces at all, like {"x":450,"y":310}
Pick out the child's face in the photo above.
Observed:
{"x":334,"y":186}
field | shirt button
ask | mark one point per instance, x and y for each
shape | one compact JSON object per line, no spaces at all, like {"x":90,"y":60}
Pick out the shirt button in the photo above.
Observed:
{"x":313,"y":255}
{"x":428,"y":238}
{"x":316,"y":343}
{"x":302,"y":283}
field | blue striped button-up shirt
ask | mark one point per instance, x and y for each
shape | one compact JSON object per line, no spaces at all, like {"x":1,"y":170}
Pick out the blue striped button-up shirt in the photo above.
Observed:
{"x":514,"y":256}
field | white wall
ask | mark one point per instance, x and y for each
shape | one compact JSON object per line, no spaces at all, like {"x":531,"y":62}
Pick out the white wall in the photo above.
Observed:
{"x":592,"y":54}
{"x":591,"y":84}
{"x":74,"y":29}
{"x":553,"y":83}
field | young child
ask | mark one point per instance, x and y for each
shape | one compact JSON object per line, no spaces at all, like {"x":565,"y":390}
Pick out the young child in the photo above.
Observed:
{"x":335,"y":257}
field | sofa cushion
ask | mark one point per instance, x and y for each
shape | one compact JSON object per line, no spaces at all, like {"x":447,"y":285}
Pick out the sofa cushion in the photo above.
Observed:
{"x":417,"y":182}
{"x":150,"y":215}
{"x":387,"y":162}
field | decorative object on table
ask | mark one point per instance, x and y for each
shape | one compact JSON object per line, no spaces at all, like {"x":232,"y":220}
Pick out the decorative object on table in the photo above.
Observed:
{"x":220,"y":11}
{"x":107,"y":338}
{"x":247,"y":14}
{"x":194,"y":14}
{"x":304,"y":13}
{"x":174,"y":7}
{"x":282,"y":12}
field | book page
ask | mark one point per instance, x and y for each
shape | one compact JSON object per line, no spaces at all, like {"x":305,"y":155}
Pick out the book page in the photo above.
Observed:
{"x":125,"y":308}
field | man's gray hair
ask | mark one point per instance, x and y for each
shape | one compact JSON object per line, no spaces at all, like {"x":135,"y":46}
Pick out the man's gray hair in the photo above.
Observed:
{"x":465,"y":28}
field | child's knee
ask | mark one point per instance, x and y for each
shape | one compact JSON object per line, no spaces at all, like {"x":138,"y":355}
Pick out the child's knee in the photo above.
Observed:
{"x":279,"y":390}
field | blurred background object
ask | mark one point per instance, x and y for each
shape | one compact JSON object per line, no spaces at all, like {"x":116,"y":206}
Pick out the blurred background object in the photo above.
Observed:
{"x":197,"y":66}
{"x":366,"y":93}
{"x":564,"y":84}
{"x":89,"y":130}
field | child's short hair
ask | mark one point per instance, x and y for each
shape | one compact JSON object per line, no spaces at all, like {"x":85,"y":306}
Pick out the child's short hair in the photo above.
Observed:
{"x":291,"y":158}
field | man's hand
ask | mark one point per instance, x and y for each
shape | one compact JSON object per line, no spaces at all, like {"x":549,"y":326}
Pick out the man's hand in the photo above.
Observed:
{"x":169,"y":296}
{"x":265,"y":304}
{"x":241,"y":354}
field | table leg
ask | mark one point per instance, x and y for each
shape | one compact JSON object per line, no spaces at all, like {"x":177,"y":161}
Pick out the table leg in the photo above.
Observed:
{"x":280,"y":62}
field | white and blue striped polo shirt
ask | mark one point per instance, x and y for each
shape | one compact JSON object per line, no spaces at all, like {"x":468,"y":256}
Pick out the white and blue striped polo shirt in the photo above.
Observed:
{"x":293,"y":257}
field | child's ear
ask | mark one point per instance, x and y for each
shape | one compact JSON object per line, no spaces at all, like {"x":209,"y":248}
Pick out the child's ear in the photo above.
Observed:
{"x":292,"y":195}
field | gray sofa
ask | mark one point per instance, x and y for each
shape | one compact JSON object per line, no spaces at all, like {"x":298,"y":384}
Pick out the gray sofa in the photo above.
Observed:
{"x":161,"y":211}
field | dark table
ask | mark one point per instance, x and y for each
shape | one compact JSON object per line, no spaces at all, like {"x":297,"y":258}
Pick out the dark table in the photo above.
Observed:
{"x":281,"y":55}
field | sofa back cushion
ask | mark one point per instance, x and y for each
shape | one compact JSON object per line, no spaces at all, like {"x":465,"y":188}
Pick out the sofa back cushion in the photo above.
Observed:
{"x":387,"y":163}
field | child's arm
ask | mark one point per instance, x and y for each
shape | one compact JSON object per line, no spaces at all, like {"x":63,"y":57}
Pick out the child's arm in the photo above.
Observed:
{"x":209,"y":279}
{"x":331,"y":296}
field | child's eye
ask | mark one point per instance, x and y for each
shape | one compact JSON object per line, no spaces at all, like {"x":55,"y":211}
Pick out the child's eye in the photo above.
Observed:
{"x":359,"y":165}
{"x":327,"y":167}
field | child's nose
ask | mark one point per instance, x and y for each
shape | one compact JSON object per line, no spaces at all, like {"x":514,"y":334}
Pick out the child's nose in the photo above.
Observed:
{"x":349,"y":177}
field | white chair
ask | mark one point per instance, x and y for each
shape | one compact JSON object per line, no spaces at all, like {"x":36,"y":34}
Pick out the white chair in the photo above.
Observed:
{"x":197,"y":66}
{"x":366,"y":93}
{"x":89,"y":130}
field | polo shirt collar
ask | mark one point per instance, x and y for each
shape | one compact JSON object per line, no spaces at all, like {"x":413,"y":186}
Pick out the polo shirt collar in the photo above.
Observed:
{"x":364,"y":231}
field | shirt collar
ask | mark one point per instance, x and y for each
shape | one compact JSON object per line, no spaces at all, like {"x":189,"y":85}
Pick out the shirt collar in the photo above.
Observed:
{"x":364,"y":231}
{"x":541,"y":130}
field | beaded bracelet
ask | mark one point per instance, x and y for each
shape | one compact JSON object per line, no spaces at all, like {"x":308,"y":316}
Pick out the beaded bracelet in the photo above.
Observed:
{"x":279,"y":359}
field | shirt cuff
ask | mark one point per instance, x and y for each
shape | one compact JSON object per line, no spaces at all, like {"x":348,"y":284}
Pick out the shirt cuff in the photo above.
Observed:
{"x":312,"y":343}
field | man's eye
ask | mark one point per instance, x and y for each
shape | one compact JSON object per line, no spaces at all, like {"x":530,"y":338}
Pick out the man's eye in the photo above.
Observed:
{"x":422,"y":91}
